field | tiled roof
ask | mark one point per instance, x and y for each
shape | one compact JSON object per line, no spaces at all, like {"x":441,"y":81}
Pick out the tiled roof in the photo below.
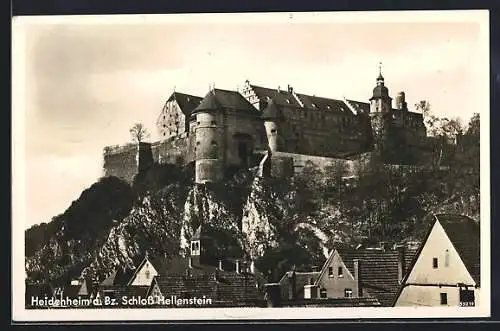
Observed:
{"x":281,"y":98}
{"x":361,"y":107}
{"x":218,"y":98}
{"x":301,"y":279}
{"x":324,"y":104}
{"x":185,"y":101}
{"x":465,"y":237}
{"x":222,"y":287}
{"x":121,"y":276}
{"x":379,"y":270}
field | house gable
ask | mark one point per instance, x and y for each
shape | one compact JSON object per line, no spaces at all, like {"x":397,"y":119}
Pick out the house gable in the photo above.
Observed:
{"x":329,"y":279}
{"x":144,"y":274}
{"x":438,"y":268}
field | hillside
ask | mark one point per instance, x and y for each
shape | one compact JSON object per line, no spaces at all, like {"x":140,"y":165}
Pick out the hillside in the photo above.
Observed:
{"x":288,"y":221}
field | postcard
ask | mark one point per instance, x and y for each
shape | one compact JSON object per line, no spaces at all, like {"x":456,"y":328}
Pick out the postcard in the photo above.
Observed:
{"x":264,"y":166}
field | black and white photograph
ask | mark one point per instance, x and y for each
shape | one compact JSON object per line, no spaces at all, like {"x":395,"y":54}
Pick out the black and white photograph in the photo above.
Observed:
{"x":321,"y":165}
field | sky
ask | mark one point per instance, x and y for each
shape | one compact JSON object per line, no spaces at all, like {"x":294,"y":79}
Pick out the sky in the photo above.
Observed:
{"x":83,"y":82}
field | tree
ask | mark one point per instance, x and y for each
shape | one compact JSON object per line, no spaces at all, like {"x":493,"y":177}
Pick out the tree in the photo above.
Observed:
{"x":138,"y":133}
{"x":473,"y":126}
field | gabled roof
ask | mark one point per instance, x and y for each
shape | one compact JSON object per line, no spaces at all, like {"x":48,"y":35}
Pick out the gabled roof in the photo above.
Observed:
{"x":281,"y":98}
{"x":186,"y":102}
{"x":379,"y":269}
{"x":218,"y":98}
{"x":464,"y":234}
{"x":120,"y":276}
{"x":324,"y":104}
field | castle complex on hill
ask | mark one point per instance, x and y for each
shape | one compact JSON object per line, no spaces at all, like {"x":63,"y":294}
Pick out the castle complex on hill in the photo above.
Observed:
{"x":227,"y":129}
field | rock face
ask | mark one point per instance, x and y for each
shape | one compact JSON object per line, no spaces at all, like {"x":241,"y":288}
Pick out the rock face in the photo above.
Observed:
{"x":257,"y":226}
{"x":275,"y":222}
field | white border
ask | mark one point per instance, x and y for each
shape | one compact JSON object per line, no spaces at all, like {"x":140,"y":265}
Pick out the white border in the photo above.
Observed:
{"x":20,"y":314}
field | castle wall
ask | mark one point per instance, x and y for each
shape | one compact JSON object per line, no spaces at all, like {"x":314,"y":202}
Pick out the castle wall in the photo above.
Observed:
{"x":176,"y":150}
{"x":242,"y":133}
{"x":314,"y":132}
{"x":121,"y":162}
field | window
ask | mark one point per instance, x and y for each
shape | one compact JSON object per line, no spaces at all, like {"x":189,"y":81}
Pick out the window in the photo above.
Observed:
{"x":348,"y":293}
{"x":213,"y":123}
{"x":147,"y":273}
{"x":197,"y":143}
{"x":330,"y":271}
{"x":322,"y":293}
{"x":435,"y":263}
{"x":446,"y":258}
{"x":444,"y":298}
{"x":340,"y":272}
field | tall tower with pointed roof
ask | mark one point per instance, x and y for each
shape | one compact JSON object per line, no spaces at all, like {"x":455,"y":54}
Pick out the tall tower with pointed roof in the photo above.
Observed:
{"x":380,"y":114}
{"x":380,"y":102}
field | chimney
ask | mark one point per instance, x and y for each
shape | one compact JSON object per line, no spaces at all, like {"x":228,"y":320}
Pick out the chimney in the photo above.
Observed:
{"x":273,"y":294}
{"x":220,"y":265}
{"x":237,"y":266}
{"x":357,"y":278}
{"x":290,"y":89}
{"x":279,"y":89}
{"x":401,"y":262}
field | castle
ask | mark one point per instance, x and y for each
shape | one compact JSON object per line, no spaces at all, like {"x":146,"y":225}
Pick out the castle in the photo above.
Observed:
{"x":227,"y":130}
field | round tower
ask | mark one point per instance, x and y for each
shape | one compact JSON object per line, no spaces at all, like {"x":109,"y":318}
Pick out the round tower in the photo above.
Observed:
{"x":271,"y":117}
{"x":208,"y":140}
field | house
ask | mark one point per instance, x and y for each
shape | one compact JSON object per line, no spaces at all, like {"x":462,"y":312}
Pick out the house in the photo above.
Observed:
{"x":446,"y":269}
{"x":173,"y":119}
{"x":217,"y":288}
{"x":293,"y":282}
{"x":349,"y":272}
